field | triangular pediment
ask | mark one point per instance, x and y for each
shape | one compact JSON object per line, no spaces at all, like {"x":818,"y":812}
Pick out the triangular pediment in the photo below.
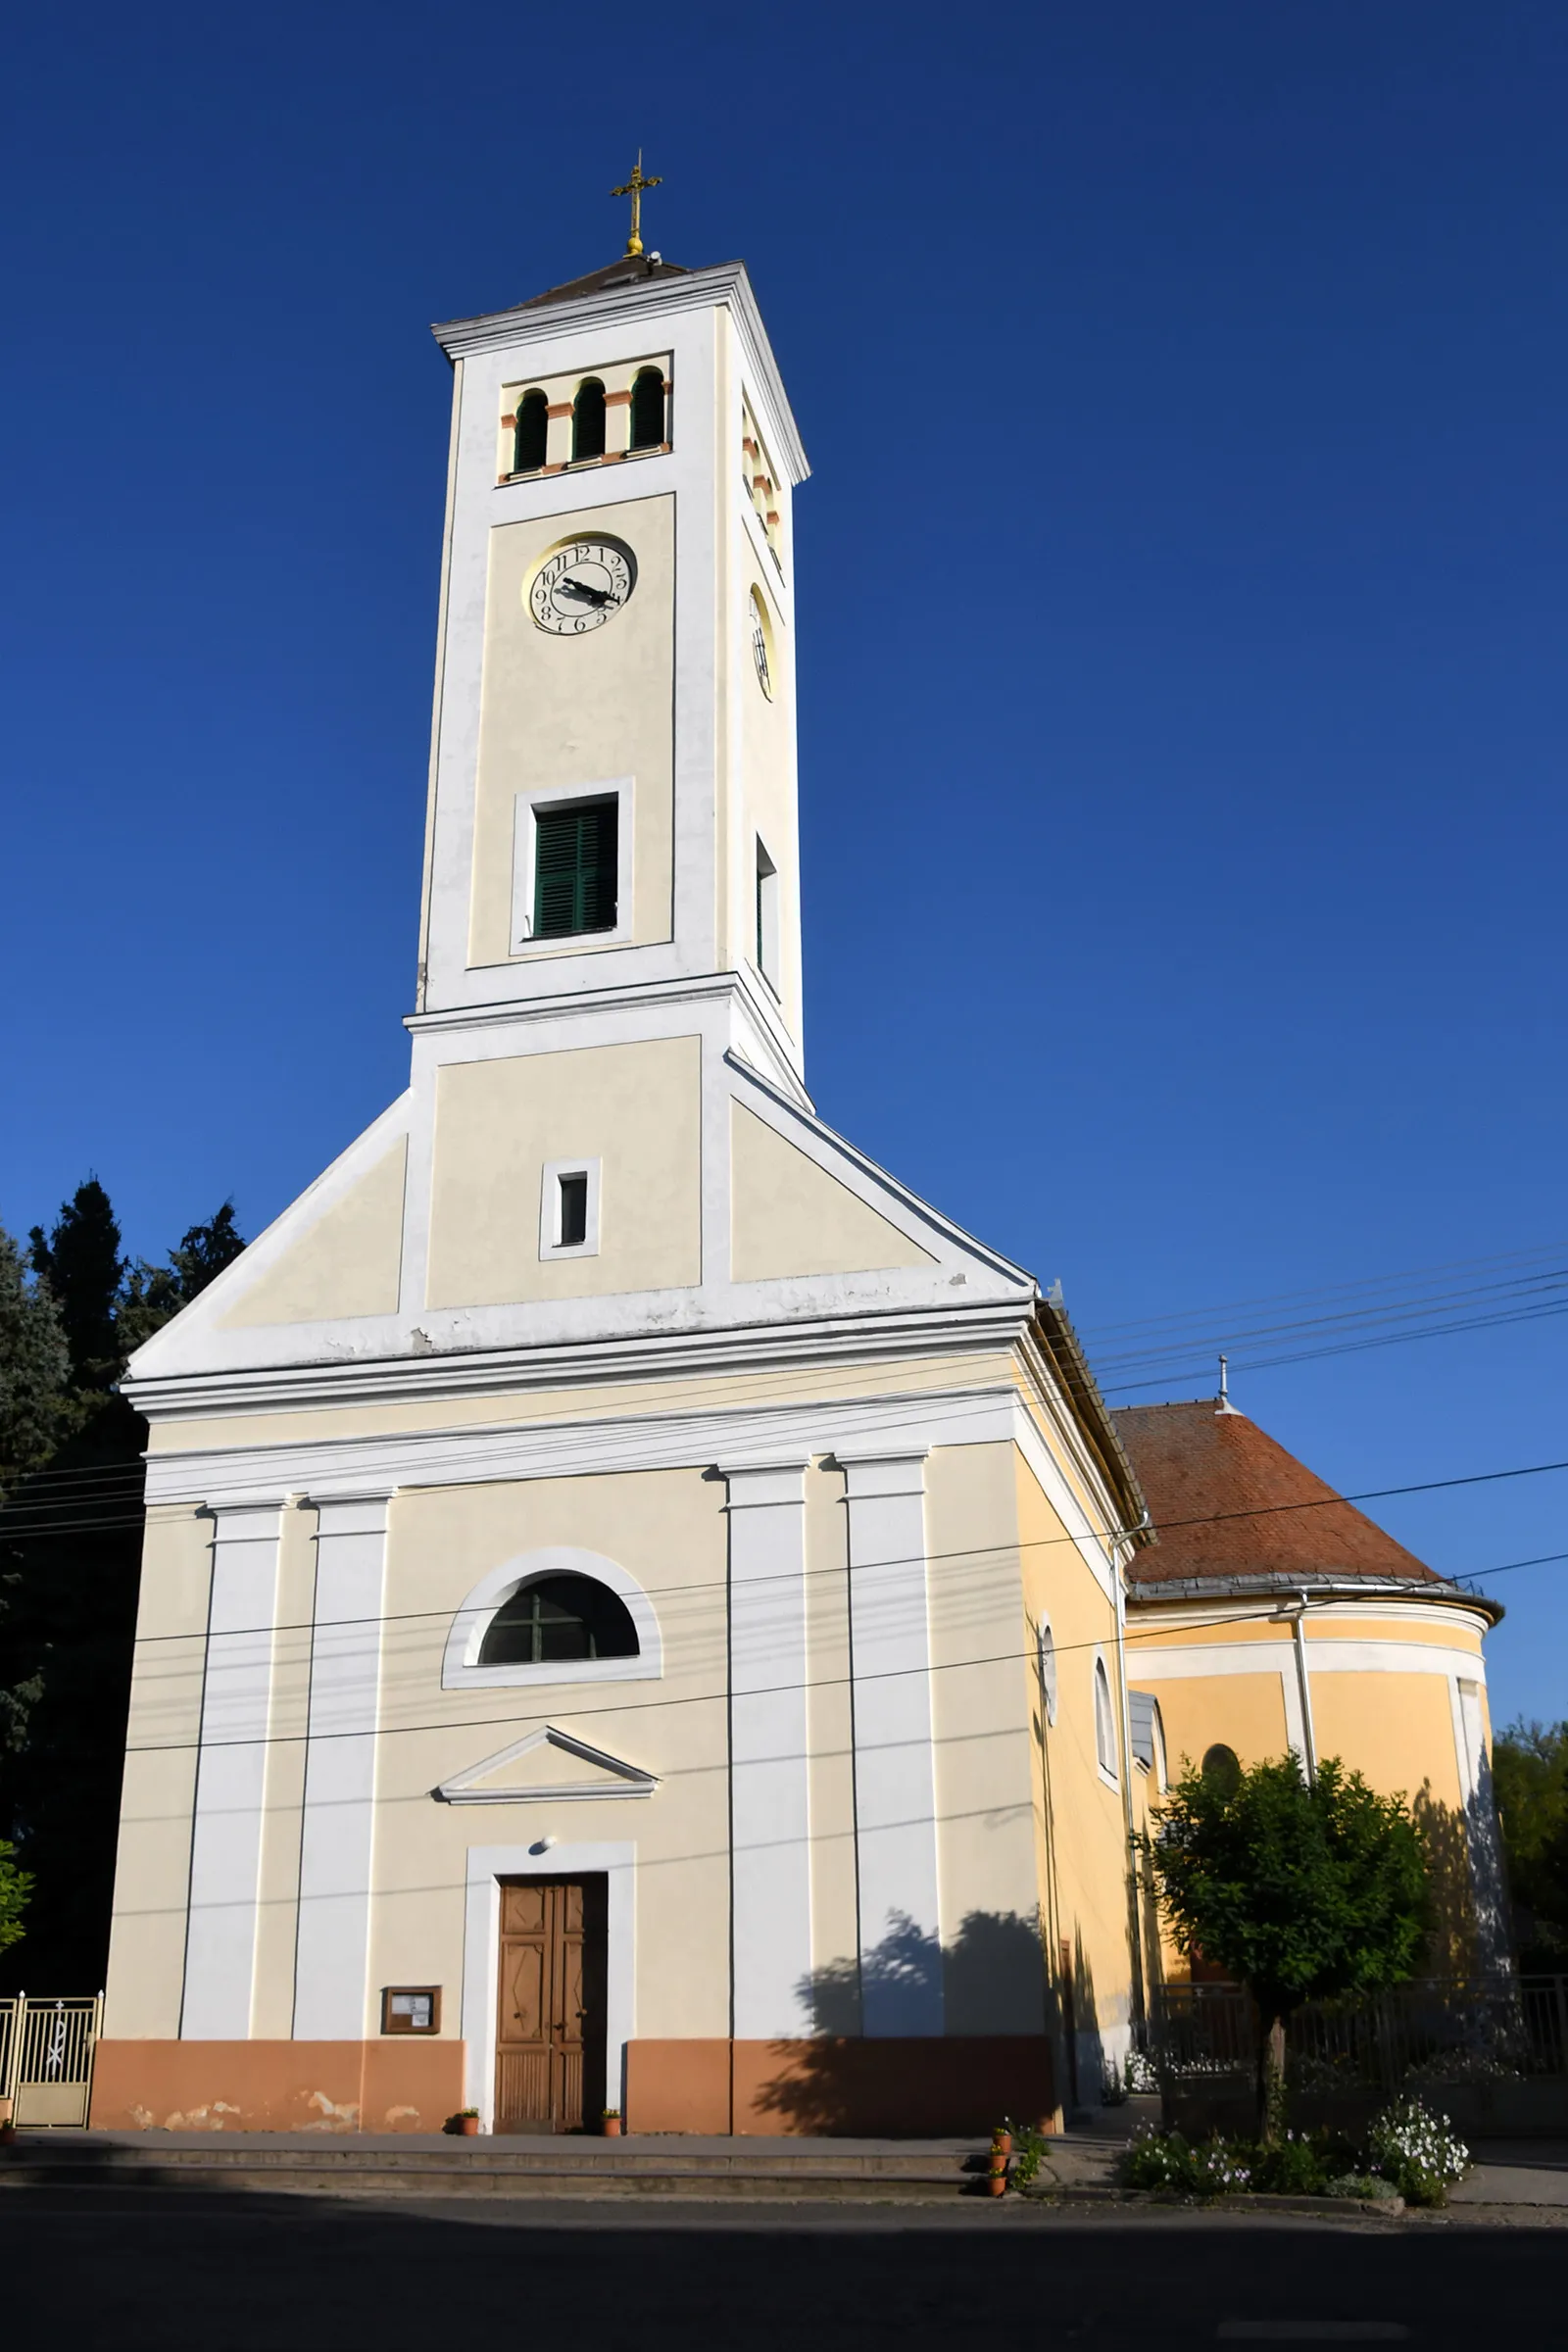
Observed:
{"x":547,"y":1764}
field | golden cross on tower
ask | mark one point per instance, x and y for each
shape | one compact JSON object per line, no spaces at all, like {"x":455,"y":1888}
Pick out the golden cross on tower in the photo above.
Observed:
{"x":634,"y":189}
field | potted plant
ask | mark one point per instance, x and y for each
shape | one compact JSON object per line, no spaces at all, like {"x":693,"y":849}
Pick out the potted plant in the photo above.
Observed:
{"x":467,"y":2121}
{"x":609,"y":2123}
{"x":1000,"y":2150}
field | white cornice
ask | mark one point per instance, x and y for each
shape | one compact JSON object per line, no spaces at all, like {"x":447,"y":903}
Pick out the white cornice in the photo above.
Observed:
{"x":870,"y":1338}
{"x":984,"y":1413}
{"x":726,"y":284}
{"x":707,"y":988}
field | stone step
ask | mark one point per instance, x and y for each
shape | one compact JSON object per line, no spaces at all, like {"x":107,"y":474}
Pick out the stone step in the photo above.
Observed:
{"x":487,"y":2168}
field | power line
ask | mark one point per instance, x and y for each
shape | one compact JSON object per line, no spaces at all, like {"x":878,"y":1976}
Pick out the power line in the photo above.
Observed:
{"x":963,"y":1552}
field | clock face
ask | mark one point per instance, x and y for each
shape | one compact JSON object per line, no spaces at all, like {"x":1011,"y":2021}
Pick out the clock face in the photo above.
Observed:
{"x":764,"y":674}
{"x":581,"y":585}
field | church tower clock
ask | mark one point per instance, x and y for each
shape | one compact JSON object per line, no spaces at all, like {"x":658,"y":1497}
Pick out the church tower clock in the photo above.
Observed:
{"x":612,"y":802}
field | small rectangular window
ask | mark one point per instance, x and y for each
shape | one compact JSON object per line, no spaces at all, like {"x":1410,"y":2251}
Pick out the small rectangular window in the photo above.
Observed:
{"x":569,"y":1210}
{"x":571,"y":1217}
{"x":576,"y":864}
{"x":766,"y":915}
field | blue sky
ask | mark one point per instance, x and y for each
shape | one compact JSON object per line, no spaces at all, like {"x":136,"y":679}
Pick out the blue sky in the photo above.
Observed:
{"x":1182,"y":583}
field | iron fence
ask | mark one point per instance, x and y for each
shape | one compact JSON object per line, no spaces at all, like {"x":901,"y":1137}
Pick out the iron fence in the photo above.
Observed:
{"x":46,"y":2055}
{"x":1471,"y":2030}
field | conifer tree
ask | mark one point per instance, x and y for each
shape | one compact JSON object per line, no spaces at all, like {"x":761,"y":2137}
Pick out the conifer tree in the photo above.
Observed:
{"x":34,"y":1362}
{"x":80,"y":1264}
{"x":72,"y":1545}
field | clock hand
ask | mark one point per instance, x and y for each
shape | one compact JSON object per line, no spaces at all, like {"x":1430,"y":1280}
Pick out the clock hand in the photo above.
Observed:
{"x":591,"y":596}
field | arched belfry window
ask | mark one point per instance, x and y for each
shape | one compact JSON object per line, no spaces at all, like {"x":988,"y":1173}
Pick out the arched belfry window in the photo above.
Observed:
{"x":588,"y":421}
{"x":1222,"y":1766}
{"x":530,"y":433}
{"x":554,"y":1620}
{"x":648,"y":409}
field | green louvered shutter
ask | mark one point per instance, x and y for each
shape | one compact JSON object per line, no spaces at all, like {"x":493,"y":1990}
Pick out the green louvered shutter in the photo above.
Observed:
{"x":575,"y":870}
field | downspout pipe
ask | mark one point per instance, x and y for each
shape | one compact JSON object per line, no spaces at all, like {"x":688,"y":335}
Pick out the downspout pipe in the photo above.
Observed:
{"x":1304,"y":1684}
{"x":1140,"y":2018}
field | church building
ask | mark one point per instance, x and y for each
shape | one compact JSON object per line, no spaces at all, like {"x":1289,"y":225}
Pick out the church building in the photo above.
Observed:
{"x":635,"y":1606}
{"x":600,"y":1537}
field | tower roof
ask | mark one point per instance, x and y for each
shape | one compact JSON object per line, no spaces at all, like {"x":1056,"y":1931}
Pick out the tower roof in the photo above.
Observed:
{"x":627,"y":269}
{"x":1231,"y":1505}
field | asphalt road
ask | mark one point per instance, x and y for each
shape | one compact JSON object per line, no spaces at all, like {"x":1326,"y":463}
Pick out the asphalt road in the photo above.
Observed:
{"x":142,"y":2267}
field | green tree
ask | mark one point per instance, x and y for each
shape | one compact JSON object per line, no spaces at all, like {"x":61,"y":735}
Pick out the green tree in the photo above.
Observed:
{"x":14,"y":1887}
{"x":1530,"y":1779}
{"x":34,"y":1363}
{"x":80,"y":1264}
{"x":73,"y":1546}
{"x":1299,"y":1892}
{"x":151,"y":1296}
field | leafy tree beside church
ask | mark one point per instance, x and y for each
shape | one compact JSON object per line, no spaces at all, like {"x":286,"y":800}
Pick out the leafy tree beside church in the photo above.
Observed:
{"x":72,"y":1312}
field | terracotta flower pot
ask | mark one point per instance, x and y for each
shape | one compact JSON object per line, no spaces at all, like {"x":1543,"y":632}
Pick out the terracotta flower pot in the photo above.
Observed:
{"x":611,"y":2126}
{"x":469,"y":2126}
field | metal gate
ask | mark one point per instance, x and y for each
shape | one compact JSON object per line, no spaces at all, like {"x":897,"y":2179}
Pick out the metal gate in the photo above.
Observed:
{"x":46,"y":2052}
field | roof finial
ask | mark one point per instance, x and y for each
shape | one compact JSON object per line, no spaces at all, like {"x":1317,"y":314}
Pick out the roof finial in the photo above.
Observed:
{"x":634,"y":189}
{"x":1224,"y":1380}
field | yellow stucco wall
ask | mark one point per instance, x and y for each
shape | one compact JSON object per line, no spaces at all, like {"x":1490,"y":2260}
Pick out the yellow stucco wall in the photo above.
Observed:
{"x":668,"y":1530}
{"x":348,"y":1262}
{"x":1398,"y":1728}
{"x":1244,"y":1711}
{"x":984,"y":1748}
{"x":636,"y":1109}
{"x":789,"y":1216}
{"x":1080,"y":1824}
{"x":578,"y":710}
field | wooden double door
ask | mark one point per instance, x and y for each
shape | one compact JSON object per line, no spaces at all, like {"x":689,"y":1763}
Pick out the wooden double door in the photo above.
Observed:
{"x":550,"y":2031}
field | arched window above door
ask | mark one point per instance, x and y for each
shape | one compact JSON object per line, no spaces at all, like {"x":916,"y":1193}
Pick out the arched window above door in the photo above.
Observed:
{"x":558,"y":1615}
{"x":559,"y":1620}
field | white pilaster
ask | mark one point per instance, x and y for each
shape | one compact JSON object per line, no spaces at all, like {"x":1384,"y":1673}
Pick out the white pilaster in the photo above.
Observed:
{"x":770,"y":1826}
{"x":336,"y":1849}
{"x":230,"y":1776}
{"x":895,"y":1774}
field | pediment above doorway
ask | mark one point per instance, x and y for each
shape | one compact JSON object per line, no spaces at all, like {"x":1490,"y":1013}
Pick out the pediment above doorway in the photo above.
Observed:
{"x":547,"y":1764}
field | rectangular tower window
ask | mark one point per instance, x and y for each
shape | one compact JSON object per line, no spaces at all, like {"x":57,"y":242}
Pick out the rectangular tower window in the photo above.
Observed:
{"x":766,"y":915}
{"x":569,"y":1210}
{"x":571,"y":1216}
{"x":575,"y":855}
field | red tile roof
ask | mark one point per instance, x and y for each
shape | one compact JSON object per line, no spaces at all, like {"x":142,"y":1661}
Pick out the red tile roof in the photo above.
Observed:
{"x":1229,"y":1502}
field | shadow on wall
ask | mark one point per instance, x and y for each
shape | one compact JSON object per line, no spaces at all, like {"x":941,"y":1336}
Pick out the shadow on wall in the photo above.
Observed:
{"x":1083,"y":2046}
{"x":990,"y":1980}
{"x":994,"y":2057}
{"x":1464,"y":1866}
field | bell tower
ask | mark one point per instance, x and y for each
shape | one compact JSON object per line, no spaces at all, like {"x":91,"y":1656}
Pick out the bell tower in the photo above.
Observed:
{"x":613,"y":818}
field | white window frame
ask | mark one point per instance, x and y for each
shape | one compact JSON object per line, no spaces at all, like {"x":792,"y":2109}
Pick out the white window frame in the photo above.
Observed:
{"x":551,"y":1245}
{"x":460,"y":1669}
{"x":524,"y":860}
{"x":1046,"y":1661}
{"x":1104,"y":1722}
